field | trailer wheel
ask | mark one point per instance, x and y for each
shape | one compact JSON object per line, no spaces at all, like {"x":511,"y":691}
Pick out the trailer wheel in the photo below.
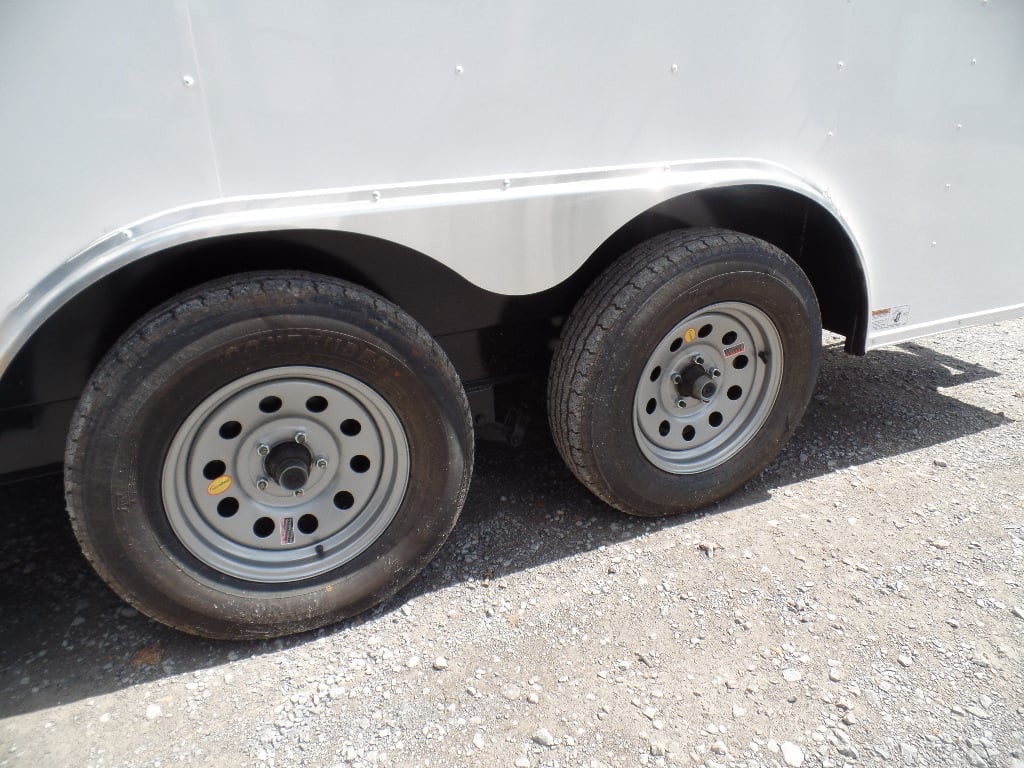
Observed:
{"x":683,"y":370}
{"x":268,"y":454}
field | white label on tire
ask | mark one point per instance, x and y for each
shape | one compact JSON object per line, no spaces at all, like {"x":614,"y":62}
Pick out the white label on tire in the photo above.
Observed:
{"x":287,"y":530}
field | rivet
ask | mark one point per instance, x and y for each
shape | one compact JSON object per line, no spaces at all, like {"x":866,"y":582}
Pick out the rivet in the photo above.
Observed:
{"x":829,"y":135}
{"x":949,"y":186}
{"x":506,"y":183}
{"x":375,"y":196}
{"x":188,"y":80}
{"x":973,"y":62}
{"x":458,"y":69}
{"x":934,"y":243}
{"x":959,"y":126}
{"x":840,"y":65}
{"x":674,"y":68}
{"x":298,"y":492}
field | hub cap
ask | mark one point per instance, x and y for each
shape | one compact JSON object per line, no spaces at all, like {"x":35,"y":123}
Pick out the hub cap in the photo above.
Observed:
{"x":285,"y":474}
{"x":707,"y":388}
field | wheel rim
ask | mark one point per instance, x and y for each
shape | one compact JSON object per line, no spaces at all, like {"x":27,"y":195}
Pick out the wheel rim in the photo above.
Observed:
{"x":285,"y":474}
{"x":707,"y":388}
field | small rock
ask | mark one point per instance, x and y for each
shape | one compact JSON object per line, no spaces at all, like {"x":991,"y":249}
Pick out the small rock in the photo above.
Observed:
{"x":985,"y":701}
{"x":738,"y":711}
{"x":153,"y":711}
{"x":478,"y":740}
{"x":940,"y":463}
{"x":522,"y":762}
{"x":440,"y":663}
{"x":849,"y":718}
{"x":847,"y":750}
{"x":792,"y":754}
{"x":904,"y":660}
{"x":835,"y":675}
{"x":719,"y":748}
{"x":414,"y":661}
{"x":511,"y":693}
{"x":658,"y":748}
{"x":909,"y":752}
{"x":939,"y":543}
{"x":543,"y":737}
{"x":1017,"y":611}
{"x":953,"y":623}
{"x":792,"y":675}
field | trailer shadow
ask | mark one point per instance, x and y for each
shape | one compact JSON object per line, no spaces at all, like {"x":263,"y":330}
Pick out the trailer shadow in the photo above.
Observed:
{"x":66,"y":637}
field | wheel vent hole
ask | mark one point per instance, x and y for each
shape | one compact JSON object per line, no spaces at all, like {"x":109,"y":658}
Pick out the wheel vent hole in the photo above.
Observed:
{"x":705,"y":331}
{"x":656,"y":373}
{"x":715,"y":419}
{"x":734,"y":392}
{"x":344,"y":500}
{"x":316,"y":404}
{"x":227,"y":507}
{"x":729,"y":338}
{"x":663,"y":428}
{"x":359,"y":463}
{"x":229,"y":430}
{"x":308,"y":524}
{"x":689,"y":433}
{"x":740,"y":362}
{"x":263,"y":527}
{"x":213,"y":469}
{"x":271,"y":404}
{"x":651,"y":405}
{"x":675,"y":345}
{"x":351,"y":427}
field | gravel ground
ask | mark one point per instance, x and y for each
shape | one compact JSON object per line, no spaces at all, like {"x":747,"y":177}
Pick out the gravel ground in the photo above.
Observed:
{"x":860,"y":603}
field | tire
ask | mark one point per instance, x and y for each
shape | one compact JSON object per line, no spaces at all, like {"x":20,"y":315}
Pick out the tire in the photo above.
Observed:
{"x":267,"y":454}
{"x":683,"y":370}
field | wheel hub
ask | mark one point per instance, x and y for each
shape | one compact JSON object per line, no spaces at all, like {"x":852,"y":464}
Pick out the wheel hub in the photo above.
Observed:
{"x":707,"y":388}
{"x":285,"y":474}
{"x":289,"y":464}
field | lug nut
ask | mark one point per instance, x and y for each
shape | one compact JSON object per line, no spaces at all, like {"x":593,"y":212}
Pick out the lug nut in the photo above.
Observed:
{"x":263,"y":449}
{"x":698,"y":360}
{"x":676,"y":378}
{"x":298,"y":491}
{"x":681,"y":402}
{"x":262,"y":483}
{"x":321,"y":462}
{"x":300,"y":438}
{"x":715,"y":373}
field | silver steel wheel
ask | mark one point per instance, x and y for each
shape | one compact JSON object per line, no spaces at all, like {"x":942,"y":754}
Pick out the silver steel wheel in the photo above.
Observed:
{"x":707,"y":388}
{"x":285,"y":474}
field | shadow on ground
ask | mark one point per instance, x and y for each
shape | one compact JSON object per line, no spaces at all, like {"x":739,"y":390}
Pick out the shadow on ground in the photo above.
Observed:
{"x":66,"y":637}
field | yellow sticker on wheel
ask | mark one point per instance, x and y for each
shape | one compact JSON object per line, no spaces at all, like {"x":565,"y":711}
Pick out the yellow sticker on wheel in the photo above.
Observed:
{"x":690,"y":335}
{"x":218,"y":485}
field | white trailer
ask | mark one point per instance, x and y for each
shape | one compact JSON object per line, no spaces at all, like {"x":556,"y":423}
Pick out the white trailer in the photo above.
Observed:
{"x":267,"y":263}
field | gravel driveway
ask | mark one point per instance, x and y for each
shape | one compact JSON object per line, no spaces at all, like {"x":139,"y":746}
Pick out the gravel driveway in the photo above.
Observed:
{"x":860,"y":603}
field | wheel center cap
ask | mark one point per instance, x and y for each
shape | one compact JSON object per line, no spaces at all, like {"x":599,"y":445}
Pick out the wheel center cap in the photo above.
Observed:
{"x":289,"y":463}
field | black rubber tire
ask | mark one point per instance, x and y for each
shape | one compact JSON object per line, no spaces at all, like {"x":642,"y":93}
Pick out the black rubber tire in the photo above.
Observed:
{"x":609,"y":336}
{"x":188,"y":348}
